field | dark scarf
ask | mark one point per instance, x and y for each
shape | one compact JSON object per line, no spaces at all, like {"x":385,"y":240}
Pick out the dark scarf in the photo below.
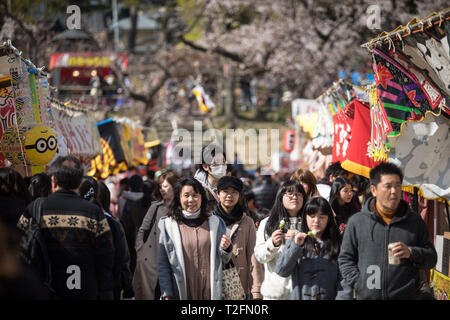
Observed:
{"x":230,"y":218}
{"x":193,"y":223}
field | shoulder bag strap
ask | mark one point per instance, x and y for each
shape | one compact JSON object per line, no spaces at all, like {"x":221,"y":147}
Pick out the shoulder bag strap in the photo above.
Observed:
{"x":152,"y":223}
{"x":230,"y":264}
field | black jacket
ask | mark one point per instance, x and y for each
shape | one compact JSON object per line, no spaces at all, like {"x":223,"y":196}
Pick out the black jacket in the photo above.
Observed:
{"x":363,"y":260}
{"x":121,"y":275}
{"x":80,"y":246}
{"x":265,"y":194}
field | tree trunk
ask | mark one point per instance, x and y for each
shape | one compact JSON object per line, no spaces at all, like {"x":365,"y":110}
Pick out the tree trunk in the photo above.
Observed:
{"x":133,"y":30}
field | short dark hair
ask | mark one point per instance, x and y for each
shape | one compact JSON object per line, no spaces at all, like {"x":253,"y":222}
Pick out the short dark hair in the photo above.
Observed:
{"x":125,"y":181}
{"x":384,"y":168}
{"x":12,"y":184}
{"x":67,"y":177}
{"x":136,"y":183}
{"x":336,"y":170}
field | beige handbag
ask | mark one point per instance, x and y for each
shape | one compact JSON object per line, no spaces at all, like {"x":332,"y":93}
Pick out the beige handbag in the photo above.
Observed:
{"x":231,"y":282}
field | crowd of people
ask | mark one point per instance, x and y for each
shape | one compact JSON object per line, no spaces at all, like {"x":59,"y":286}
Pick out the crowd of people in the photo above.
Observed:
{"x":172,"y":236}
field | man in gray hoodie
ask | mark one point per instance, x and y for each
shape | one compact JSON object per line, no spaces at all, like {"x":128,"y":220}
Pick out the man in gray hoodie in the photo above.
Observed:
{"x":386,"y":219}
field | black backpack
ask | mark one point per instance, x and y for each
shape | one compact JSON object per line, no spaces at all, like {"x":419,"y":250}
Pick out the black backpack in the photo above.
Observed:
{"x":33,"y":249}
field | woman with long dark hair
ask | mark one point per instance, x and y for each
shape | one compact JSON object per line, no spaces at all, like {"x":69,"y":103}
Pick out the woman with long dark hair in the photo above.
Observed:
{"x":40,"y":185}
{"x":192,"y":246}
{"x":311,"y":256}
{"x":343,"y":202}
{"x":283,"y":223}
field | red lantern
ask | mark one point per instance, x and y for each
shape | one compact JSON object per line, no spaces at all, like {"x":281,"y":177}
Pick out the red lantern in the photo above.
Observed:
{"x":289,"y":141}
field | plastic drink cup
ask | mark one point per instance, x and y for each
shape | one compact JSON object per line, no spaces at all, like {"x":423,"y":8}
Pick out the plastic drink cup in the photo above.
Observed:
{"x":392,"y":259}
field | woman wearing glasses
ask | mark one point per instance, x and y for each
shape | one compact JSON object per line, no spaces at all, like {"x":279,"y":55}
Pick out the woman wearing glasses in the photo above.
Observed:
{"x":282,"y":224}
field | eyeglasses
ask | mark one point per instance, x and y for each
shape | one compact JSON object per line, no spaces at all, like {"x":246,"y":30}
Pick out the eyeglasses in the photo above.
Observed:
{"x":42,"y":145}
{"x":291,"y":194}
{"x":232,"y":193}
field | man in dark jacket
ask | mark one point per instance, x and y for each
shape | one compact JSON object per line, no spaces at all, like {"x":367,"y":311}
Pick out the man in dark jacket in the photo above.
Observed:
{"x":77,"y":235}
{"x":265,"y":193}
{"x":386,"y":220}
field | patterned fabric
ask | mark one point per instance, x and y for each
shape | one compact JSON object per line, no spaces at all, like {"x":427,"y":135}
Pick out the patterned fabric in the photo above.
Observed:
{"x":352,"y":139}
{"x":423,"y":151}
{"x":342,"y":122}
{"x":231,"y":285}
{"x":380,"y":128}
{"x":401,"y":98}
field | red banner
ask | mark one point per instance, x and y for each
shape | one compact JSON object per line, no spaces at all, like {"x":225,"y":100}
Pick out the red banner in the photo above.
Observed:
{"x":358,"y":159}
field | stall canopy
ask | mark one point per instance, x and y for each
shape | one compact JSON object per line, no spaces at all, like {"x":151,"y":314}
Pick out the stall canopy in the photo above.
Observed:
{"x":410,"y":120}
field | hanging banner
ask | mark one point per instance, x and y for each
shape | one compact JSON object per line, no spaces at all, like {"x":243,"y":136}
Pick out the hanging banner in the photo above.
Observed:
{"x":7,"y":114}
{"x":323,"y":131}
{"x":78,"y":128}
{"x":26,"y":137}
{"x":113,"y":133}
{"x":203,"y":100}
{"x":136,"y":143}
{"x":358,"y":159}
{"x":401,"y":98}
{"x":423,"y":152}
{"x":379,"y":129}
{"x":440,"y":284}
{"x":342,"y":124}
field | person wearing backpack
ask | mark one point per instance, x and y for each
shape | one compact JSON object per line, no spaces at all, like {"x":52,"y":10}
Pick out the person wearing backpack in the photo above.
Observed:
{"x":75,"y":234}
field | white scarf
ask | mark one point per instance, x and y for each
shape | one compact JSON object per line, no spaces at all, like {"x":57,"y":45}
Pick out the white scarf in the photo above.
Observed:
{"x":189,"y":215}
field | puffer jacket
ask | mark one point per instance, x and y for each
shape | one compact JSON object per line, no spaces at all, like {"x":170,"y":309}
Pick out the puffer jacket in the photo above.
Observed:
{"x":363,"y":260}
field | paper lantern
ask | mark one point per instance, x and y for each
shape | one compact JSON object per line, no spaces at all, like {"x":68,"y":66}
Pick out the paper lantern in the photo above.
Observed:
{"x":289,"y":141}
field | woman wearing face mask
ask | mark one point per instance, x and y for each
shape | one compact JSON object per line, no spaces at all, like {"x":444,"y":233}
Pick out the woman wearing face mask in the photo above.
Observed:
{"x":213,"y":168}
{"x":192,"y":247}
{"x":283,"y":223}
{"x":145,"y":279}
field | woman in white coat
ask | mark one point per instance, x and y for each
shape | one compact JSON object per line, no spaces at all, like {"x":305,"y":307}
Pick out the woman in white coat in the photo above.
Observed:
{"x":192,"y":247}
{"x":283,"y":223}
{"x":145,"y":279}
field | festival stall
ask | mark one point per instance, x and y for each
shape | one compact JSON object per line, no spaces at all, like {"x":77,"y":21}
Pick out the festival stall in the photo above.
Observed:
{"x":412,"y":122}
{"x":123,"y":147}
{"x":36,"y":128}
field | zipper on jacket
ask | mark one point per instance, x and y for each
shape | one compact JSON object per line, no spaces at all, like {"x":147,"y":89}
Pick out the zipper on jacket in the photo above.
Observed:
{"x":384,"y":270}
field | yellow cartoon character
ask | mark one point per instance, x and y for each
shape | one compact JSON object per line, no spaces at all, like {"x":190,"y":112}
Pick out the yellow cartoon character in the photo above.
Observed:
{"x":40,"y":145}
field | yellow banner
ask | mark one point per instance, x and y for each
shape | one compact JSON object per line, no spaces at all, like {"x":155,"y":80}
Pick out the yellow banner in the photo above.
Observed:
{"x":441,"y":285}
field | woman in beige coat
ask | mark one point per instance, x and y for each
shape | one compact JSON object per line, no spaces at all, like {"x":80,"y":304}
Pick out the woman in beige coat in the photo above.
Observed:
{"x":232,"y":212}
{"x":145,"y":279}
